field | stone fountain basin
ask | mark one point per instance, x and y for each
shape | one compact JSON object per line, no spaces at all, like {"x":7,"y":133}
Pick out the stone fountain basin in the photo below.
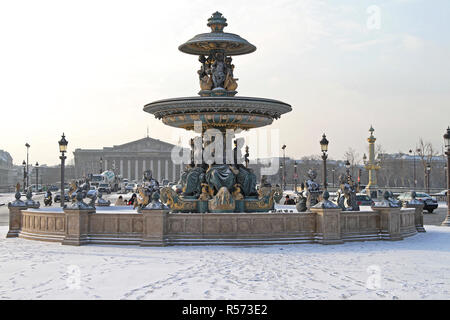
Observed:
{"x":216,"y":112}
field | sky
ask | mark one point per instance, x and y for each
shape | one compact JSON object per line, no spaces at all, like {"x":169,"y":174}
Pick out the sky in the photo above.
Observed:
{"x":87,"y":68}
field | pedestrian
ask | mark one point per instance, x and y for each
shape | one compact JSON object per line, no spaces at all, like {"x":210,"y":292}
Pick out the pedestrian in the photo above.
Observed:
{"x":120,"y":202}
{"x":289,"y":201}
{"x":132,"y":199}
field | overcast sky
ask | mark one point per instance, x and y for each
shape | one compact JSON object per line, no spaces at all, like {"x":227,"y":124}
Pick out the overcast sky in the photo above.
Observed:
{"x":87,"y":68}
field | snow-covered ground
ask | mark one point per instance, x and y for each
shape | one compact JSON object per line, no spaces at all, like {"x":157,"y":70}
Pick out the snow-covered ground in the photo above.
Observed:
{"x":415,"y":268}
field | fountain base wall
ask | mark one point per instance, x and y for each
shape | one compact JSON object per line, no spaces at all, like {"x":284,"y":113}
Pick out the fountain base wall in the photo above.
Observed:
{"x":161,"y":228}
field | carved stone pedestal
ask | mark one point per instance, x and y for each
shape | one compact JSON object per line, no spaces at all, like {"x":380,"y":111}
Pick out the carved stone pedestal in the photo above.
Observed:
{"x":77,"y":230}
{"x":328,"y":225}
{"x":15,"y":220}
{"x":389,"y":223}
{"x":155,"y":228}
{"x":418,"y":215}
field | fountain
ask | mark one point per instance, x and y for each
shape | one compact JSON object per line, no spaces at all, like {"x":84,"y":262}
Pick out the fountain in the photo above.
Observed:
{"x":224,"y":184}
{"x":218,"y":203}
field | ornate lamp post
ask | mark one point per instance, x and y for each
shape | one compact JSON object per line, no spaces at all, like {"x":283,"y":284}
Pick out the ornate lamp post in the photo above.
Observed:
{"x":281,"y":175}
{"x":62,"y":148}
{"x":324,"y":148}
{"x":295,"y":176}
{"x":333,"y":170}
{"x":37,"y":176}
{"x":24,"y":164}
{"x":414,"y":170}
{"x":347,"y":167}
{"x":28,"y":180}
{"x":371,"y":167}
{"x":284,"y":167}
{"x":428,"y":171}
{"x":364,"y":159}
{"x":447,"y":147}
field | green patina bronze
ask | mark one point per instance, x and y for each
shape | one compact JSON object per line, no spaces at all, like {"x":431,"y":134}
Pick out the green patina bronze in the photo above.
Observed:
{"x":226,"y":185}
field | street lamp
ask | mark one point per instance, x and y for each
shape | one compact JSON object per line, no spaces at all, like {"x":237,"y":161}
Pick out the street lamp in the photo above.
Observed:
{"x":37,"y":175}
{"x":281,"y":175}
{"x":24,"y":175}
{"x":101,"y":165}
{"x":428,"y":177}
{"x":347,"y":166}
{"x":284,"y":166}
{"x":333,"y":170}
{"x":28,"y":180}
{"x":295,"y":176}
{"x":414,"y":161}
{"x":62,"y":148}
{"x":447,"y":147}
{"x":324,"y":148}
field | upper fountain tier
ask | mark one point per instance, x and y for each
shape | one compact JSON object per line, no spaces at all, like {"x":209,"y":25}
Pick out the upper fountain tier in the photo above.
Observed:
{"x":217,"y":40}
{"x":217,"y":106}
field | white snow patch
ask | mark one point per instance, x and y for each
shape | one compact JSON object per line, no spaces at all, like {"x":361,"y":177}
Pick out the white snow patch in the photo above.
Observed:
{"x":415,"y":268}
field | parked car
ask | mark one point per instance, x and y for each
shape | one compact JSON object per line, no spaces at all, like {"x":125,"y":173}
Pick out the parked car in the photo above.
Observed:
{"x":104,"y":188}
{"x":430,"y":203}
{"x":364,"y":200}
{"x":58,"y":197}
{"x":53,"y":188}
{"x":130,"y":187}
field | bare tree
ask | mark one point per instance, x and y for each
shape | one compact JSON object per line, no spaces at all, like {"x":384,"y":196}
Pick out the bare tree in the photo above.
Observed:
{"x":426,"y":153}
{"x":353,"y":157}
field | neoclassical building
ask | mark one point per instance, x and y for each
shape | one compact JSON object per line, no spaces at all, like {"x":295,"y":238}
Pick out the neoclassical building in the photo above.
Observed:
{"x":130,"y":160}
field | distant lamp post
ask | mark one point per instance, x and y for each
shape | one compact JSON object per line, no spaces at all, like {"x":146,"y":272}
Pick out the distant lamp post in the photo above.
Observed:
{"x":295,"y":176}
{"x":63,"y":149}
{"x":447,"y":147}
{"x":37,"y":176}
{"x":284,"y":167}
{"x":347,"y":167}
{"x":333,"y":170}
{"x":428,"y":170}
{"x":414,"y":167}
{"x":101,"y":165}
{"x":24,"y":164}
{"x":324,"y":148}
{"x":28,"y":180}
{"x":281,"y":175}
{"x":372,"y":166}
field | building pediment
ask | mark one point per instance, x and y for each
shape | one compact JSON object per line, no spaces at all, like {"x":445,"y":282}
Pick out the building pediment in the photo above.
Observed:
{"x":144,"y":145}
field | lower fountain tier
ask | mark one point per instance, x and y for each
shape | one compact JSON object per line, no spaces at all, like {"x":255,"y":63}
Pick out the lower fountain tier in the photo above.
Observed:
{"x":218,"y":112}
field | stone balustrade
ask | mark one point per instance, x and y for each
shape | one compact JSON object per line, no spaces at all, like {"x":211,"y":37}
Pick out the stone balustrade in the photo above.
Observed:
{"x":160,"y":227}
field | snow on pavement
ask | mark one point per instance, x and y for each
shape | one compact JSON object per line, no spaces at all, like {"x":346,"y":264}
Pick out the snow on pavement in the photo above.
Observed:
{"x":415,"y":268}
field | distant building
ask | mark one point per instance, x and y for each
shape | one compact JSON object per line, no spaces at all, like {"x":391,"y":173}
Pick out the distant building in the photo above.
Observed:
{"x":130,"y":160}
{"x":8,"y":174}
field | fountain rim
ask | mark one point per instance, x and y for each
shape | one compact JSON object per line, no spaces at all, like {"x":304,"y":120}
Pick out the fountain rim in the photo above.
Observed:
{"x":277,"y":107}
{"x":190,"y":47}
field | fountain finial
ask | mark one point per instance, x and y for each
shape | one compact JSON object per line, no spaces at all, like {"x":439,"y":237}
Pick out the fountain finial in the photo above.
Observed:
{"x":217,"y":22}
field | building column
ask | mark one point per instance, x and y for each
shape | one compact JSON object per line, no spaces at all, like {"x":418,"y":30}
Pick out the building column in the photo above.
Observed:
{"x":121,"y":168}
{"x":151,"y":167}
{"x":136,"y":169}
{"x":166,"y":169}
{"x":106,"y":165}
{"x":159,"y":170}
{"x":143,"y":166}
{"x":174,"y":173}
{"x":129,"y":169}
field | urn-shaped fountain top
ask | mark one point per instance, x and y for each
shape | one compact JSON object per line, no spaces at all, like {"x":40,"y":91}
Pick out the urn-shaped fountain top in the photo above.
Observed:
{"x":205,"y":43}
